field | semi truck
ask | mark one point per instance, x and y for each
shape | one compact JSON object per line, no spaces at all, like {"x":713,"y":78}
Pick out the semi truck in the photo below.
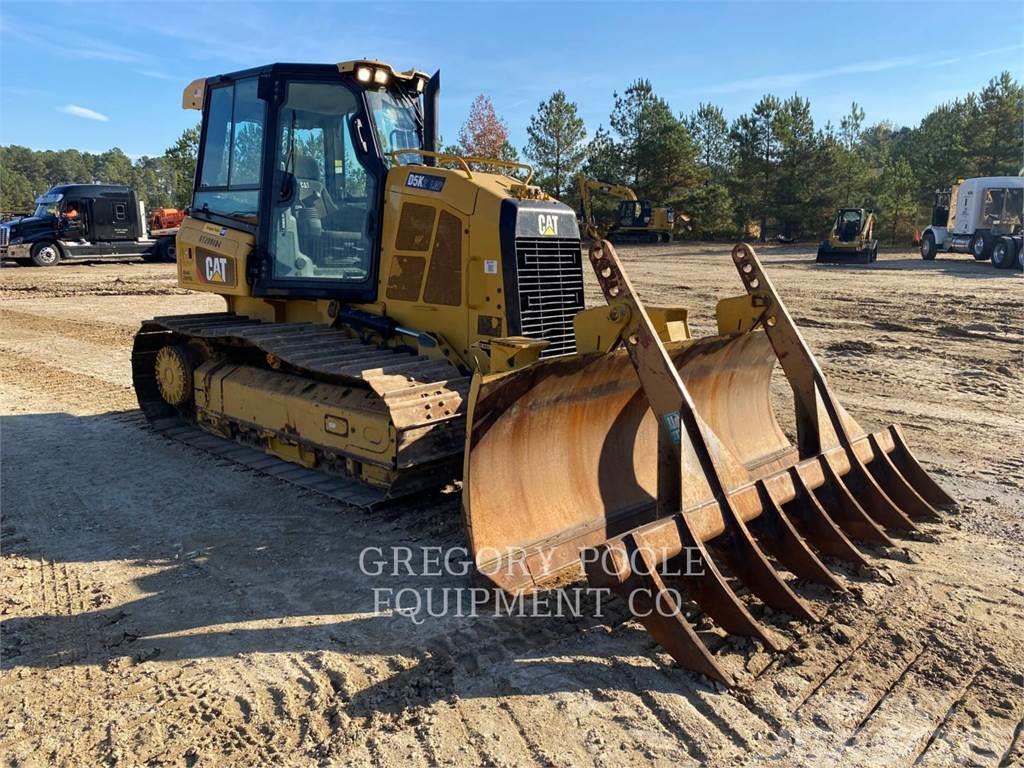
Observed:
{"x":85,"y":222}
{"x":981,"y":216}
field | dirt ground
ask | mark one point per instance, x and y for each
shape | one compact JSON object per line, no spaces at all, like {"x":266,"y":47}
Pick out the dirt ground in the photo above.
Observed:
{"x":161,"y":607}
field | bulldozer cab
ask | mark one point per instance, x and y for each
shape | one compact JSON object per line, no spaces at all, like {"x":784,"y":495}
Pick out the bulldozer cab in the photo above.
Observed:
{"x":297,"y":156}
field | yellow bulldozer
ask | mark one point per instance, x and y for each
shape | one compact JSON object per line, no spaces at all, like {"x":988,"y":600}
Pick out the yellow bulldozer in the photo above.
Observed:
{"x":636,"y":220}
{"x":395,"y":319}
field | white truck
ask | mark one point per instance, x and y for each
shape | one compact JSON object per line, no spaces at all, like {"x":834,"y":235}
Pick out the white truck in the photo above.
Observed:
{"x":982,"y":217}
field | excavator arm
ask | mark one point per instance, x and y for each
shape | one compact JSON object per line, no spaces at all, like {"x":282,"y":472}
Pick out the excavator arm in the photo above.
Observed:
{"x":588,"y":186}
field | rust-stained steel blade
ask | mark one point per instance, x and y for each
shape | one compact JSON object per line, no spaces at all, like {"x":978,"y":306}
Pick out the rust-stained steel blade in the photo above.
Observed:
{"x":661,"y":452}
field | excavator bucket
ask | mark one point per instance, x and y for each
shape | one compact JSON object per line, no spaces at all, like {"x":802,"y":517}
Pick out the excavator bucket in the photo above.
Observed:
{"x":659,"y":466}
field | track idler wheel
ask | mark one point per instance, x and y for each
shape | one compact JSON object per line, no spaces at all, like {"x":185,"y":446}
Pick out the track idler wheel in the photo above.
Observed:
{"x":173,"y":368}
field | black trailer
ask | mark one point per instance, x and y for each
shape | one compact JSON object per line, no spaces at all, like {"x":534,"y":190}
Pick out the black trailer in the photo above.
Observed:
{"x":85,"y":222}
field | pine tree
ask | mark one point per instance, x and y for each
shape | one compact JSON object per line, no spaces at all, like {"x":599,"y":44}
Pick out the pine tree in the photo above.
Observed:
{"x":710,"y":132}
{"x":655,"y":149}
{"x":898,"y":198}
{"x":181,"y":158}
{"x":995,"y":132}
{"x":556,"y":143}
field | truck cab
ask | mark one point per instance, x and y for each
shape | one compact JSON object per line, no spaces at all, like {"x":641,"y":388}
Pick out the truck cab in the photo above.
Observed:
{"x":975,"y":216}
{"x":84,"y":222}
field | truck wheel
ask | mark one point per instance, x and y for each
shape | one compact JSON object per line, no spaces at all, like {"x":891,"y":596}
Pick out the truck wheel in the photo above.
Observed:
{"x":165,"y":250}
{"x":981,"y":246}
{"x":45,"y":254}
{"x":1004,"y":254}
{"x":928,"y":247}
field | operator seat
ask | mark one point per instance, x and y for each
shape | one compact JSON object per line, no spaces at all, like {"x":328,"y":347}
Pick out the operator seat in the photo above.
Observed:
{"x":325,"y":228}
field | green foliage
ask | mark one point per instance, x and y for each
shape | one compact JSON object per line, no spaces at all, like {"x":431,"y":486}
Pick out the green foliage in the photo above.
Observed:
{"x":710,"y":132}
{"x":181,"y":162}
{"x":711,"y":211}
{"x":654,"y":148}
{"x":556,"y":143}
{"x":898,"y":199}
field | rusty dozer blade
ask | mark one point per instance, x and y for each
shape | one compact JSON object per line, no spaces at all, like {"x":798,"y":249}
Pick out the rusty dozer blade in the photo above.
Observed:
{"x":661,"y":467}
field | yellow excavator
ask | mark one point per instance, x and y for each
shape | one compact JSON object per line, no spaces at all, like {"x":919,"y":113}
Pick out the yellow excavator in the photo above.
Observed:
{"x":636,"y":221}
{"x":395,"y":319}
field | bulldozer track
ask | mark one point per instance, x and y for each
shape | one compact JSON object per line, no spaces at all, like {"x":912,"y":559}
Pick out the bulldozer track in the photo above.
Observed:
{"x":337,"y":488}
{"x":420,"y":393}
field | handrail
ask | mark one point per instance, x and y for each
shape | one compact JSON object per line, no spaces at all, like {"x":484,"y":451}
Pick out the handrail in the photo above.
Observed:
{"x":506,"y":164}
{"x":442,"y":156}
{"x":463,"y":161}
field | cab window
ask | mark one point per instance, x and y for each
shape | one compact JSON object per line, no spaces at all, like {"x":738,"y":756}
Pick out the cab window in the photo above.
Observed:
{"x":323,"y":216}
{"x":229,"y":172}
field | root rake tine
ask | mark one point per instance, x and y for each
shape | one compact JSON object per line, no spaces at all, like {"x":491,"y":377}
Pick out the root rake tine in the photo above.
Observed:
{"x":820,"y":528}
{"x":873,"y":499}
{"x":895,"y":485}
{"x":836,"y":498}
{"x":713,"y":594}
{"x":911,"y":469}
{"x":656,"y":608}
{"x":760,"y":577}
{"x":788,"y":546}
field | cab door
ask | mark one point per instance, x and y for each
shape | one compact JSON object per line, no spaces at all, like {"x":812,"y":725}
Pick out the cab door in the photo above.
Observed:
{"x":74,"y":219}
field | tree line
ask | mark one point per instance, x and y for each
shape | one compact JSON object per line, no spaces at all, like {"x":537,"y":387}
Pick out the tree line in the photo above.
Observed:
{"x":772,"y":170}
{"x":164,"y":181}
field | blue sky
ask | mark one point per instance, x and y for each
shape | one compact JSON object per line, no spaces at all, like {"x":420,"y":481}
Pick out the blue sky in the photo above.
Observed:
{"x":97,"y":75}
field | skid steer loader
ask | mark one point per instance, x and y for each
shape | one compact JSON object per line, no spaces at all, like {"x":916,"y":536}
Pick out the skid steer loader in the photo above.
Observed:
{"x":851,"y":240}
{"x":395,"y":318}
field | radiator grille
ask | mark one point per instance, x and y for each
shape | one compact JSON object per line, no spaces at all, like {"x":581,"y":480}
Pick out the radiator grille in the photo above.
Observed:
{"x":550,"y":277}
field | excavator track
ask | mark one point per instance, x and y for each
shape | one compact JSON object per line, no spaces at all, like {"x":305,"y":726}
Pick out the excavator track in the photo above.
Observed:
{"x":423,"y":399}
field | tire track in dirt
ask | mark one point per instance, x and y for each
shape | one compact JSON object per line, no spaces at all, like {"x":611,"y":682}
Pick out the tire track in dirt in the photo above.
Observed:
{"x":470,"y":692}
{"x":70,"y":390}
{"x":83,"y":330}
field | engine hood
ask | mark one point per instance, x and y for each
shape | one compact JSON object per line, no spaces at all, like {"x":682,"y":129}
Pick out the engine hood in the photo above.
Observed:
{"x":30,"y":225}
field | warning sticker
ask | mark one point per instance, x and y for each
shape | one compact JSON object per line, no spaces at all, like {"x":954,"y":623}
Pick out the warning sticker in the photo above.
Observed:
{"x":490,"y":267}
{"x":213,"y":229}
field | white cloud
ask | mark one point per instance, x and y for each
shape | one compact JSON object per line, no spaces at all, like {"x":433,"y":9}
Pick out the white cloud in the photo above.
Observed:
{"x":157,"y":75}
{"x":786,"y":81}
{"x":71,"y":45}
{"x":88,"y":114}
